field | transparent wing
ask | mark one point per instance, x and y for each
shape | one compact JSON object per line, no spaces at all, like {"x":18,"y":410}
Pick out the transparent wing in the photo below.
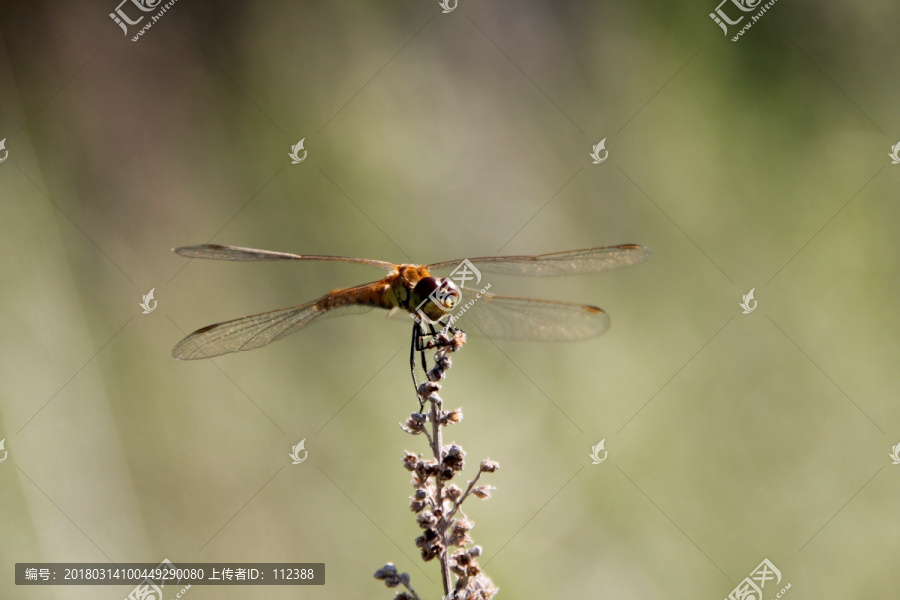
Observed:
{"x":254,"y":331}
{"x":512,"y":318}
{"x":588,"y":260}
{"x":237,"y":253}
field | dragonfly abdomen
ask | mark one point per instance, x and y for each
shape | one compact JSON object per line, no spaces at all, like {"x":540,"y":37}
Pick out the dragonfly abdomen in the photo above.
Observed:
{"x":371,"y":294}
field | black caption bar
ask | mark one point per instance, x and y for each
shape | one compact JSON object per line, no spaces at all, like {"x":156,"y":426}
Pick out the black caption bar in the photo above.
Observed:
{"x":164,"y":574}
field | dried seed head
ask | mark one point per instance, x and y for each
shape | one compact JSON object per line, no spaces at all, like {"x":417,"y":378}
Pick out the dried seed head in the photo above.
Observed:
{"x":489,"y":466}
{"x":458,"y":341}
{"x":452,"y":417}
{"x":457,"y":569}
{"x":430,"y":544}
{"x":463,"y":562}
{"x":427,"y":537}
{"x":453,"y":492}
{"x":455,"y":458}
{"x":383,"y":571}
{"x":428,"y":388}
{"x":388,"y":574}
{"x":444,"y":362}
{"x":480,"y":587}
{"x":459,"y":541}
{"x":410,"y":461}
{"x":483,"y":491}
{"x":415,"y":424}
{"x":459,"y":533}
{"x":459,"y":562}
{"x":426,"y":520}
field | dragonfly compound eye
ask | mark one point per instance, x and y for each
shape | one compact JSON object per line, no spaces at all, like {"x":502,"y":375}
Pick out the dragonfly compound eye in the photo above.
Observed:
{"x":425,"y":287}
{"x":442,"y":293}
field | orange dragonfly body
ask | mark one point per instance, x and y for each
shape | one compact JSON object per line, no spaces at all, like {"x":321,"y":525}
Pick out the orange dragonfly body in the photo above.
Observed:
{"x":413,"y":290}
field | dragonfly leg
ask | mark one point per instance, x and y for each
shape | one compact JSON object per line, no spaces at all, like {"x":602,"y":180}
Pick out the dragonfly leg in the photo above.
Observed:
{"x":432,"y":343}
{"x":424,"y":346}
{"x":418,"y":344}
{"x":413,"y":346}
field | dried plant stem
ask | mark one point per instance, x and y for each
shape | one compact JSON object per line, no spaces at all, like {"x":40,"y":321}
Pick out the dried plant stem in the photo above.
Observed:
{"x":437,"y":502}
{"x":436,"y":445}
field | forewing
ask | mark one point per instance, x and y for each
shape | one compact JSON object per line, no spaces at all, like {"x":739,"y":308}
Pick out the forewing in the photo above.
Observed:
{"x":588,"y":260}
{"x":254,"y":331}
{"x":513,"y":318}
{"x":236,"y":253}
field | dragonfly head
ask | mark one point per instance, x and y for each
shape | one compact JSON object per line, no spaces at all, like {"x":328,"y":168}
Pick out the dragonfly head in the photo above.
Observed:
{"x":435,"y":297}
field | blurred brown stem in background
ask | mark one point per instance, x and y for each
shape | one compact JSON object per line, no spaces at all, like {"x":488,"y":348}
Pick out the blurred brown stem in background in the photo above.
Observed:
{"x":437,"y":502}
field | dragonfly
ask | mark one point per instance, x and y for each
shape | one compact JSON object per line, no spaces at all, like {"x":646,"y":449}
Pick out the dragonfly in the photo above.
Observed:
{"x":412,"y":290}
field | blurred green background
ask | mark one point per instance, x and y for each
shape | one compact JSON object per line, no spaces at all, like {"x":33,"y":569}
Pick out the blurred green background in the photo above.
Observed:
{"x":732,"y":438}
